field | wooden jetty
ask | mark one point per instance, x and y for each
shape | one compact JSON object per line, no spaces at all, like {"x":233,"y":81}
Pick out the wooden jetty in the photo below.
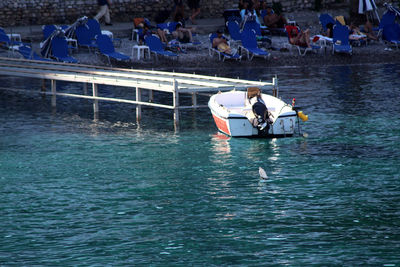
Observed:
{"x":170,"y":82}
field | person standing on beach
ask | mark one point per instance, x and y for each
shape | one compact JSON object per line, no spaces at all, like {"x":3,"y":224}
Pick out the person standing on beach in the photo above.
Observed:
{"x":194,"y":5}
{"x":104,"y":11}
{"x":178,"y":10}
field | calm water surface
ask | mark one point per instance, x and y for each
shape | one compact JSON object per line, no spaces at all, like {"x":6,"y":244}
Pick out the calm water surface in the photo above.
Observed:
{"x":79,"y":192}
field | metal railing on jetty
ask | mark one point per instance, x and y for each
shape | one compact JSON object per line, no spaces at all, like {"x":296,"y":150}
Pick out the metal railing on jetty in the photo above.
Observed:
{"x":170,"y":82}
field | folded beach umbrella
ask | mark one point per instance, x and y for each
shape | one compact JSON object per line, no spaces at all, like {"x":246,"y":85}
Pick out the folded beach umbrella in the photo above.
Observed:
{"x":45,"y":46}
{"x":365,"y":6}
{"x":70,"y":30}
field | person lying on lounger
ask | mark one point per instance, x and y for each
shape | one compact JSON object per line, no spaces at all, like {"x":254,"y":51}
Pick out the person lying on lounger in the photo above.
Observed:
{"x":301,"y":39}
{"x":368,"y":30}
{"x":221,"y":43}
{"x":357,"y":34}
{"x":183,"y":35}
{"x":146,"y":32}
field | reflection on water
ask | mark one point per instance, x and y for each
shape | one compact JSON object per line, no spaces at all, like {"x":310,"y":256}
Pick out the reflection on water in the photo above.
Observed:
{"x":275,"y":149}
{"x":220,"y":146}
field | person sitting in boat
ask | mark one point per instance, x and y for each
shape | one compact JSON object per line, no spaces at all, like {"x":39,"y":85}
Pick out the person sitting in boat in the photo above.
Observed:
{"x":259,"y":117}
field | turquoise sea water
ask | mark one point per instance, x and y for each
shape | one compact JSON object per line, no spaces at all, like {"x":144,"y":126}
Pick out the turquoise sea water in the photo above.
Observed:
{"x":80,"y":192}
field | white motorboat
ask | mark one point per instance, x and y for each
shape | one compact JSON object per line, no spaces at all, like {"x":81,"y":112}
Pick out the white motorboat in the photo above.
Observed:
{"x":234,"y":116}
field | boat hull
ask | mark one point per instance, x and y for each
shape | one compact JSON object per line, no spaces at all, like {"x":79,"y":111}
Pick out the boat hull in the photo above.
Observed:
{"x":231,"y":120}
{"x":236,"y":126}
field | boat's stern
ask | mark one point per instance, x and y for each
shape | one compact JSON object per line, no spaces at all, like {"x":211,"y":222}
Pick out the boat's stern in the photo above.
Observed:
{"x":284,"y":125}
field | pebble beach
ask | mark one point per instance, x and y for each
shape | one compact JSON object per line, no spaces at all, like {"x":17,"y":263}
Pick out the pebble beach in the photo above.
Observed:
{"x":198,"y":57}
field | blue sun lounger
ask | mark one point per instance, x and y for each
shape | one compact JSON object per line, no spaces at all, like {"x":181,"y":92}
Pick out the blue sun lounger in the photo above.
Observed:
{"x":28,"y":53}
{"x":95,"y":30}
{"x":106,"y":48}
{"x":324,"y":20}
{"x":14,"y":37}
{"x":249,"y":44}
{"x":59,"y":49}
{"x":167,"y":27}
{"x":47,"y":30}
{"x":84,"y":37}
{"x":9,"y":44}
{"x":391,"y":34}
{"x":341,"y":42}
{"x":155,"y":45}
{"x":388,"y":18}
{"x":234,"y":31}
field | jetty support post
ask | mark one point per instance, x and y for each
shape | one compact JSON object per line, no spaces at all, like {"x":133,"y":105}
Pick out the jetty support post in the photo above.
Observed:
{"x":53,"y":93}
{"x":194,"y":99}
{"x":151,"y":96}
{"x":96,"y":101}
{"x":176,"y":103}
{"x":275,"y":86}
{"x":43,"y":88}
{"x":85,"y":88}
{"x":138,"y":107}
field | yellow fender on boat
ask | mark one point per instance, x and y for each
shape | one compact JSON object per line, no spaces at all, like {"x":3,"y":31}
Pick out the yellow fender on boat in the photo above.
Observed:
{"x":302,"y":116}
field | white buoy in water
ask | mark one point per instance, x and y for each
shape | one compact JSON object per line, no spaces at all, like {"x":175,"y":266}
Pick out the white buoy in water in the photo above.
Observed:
{"x":263,"y":174}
